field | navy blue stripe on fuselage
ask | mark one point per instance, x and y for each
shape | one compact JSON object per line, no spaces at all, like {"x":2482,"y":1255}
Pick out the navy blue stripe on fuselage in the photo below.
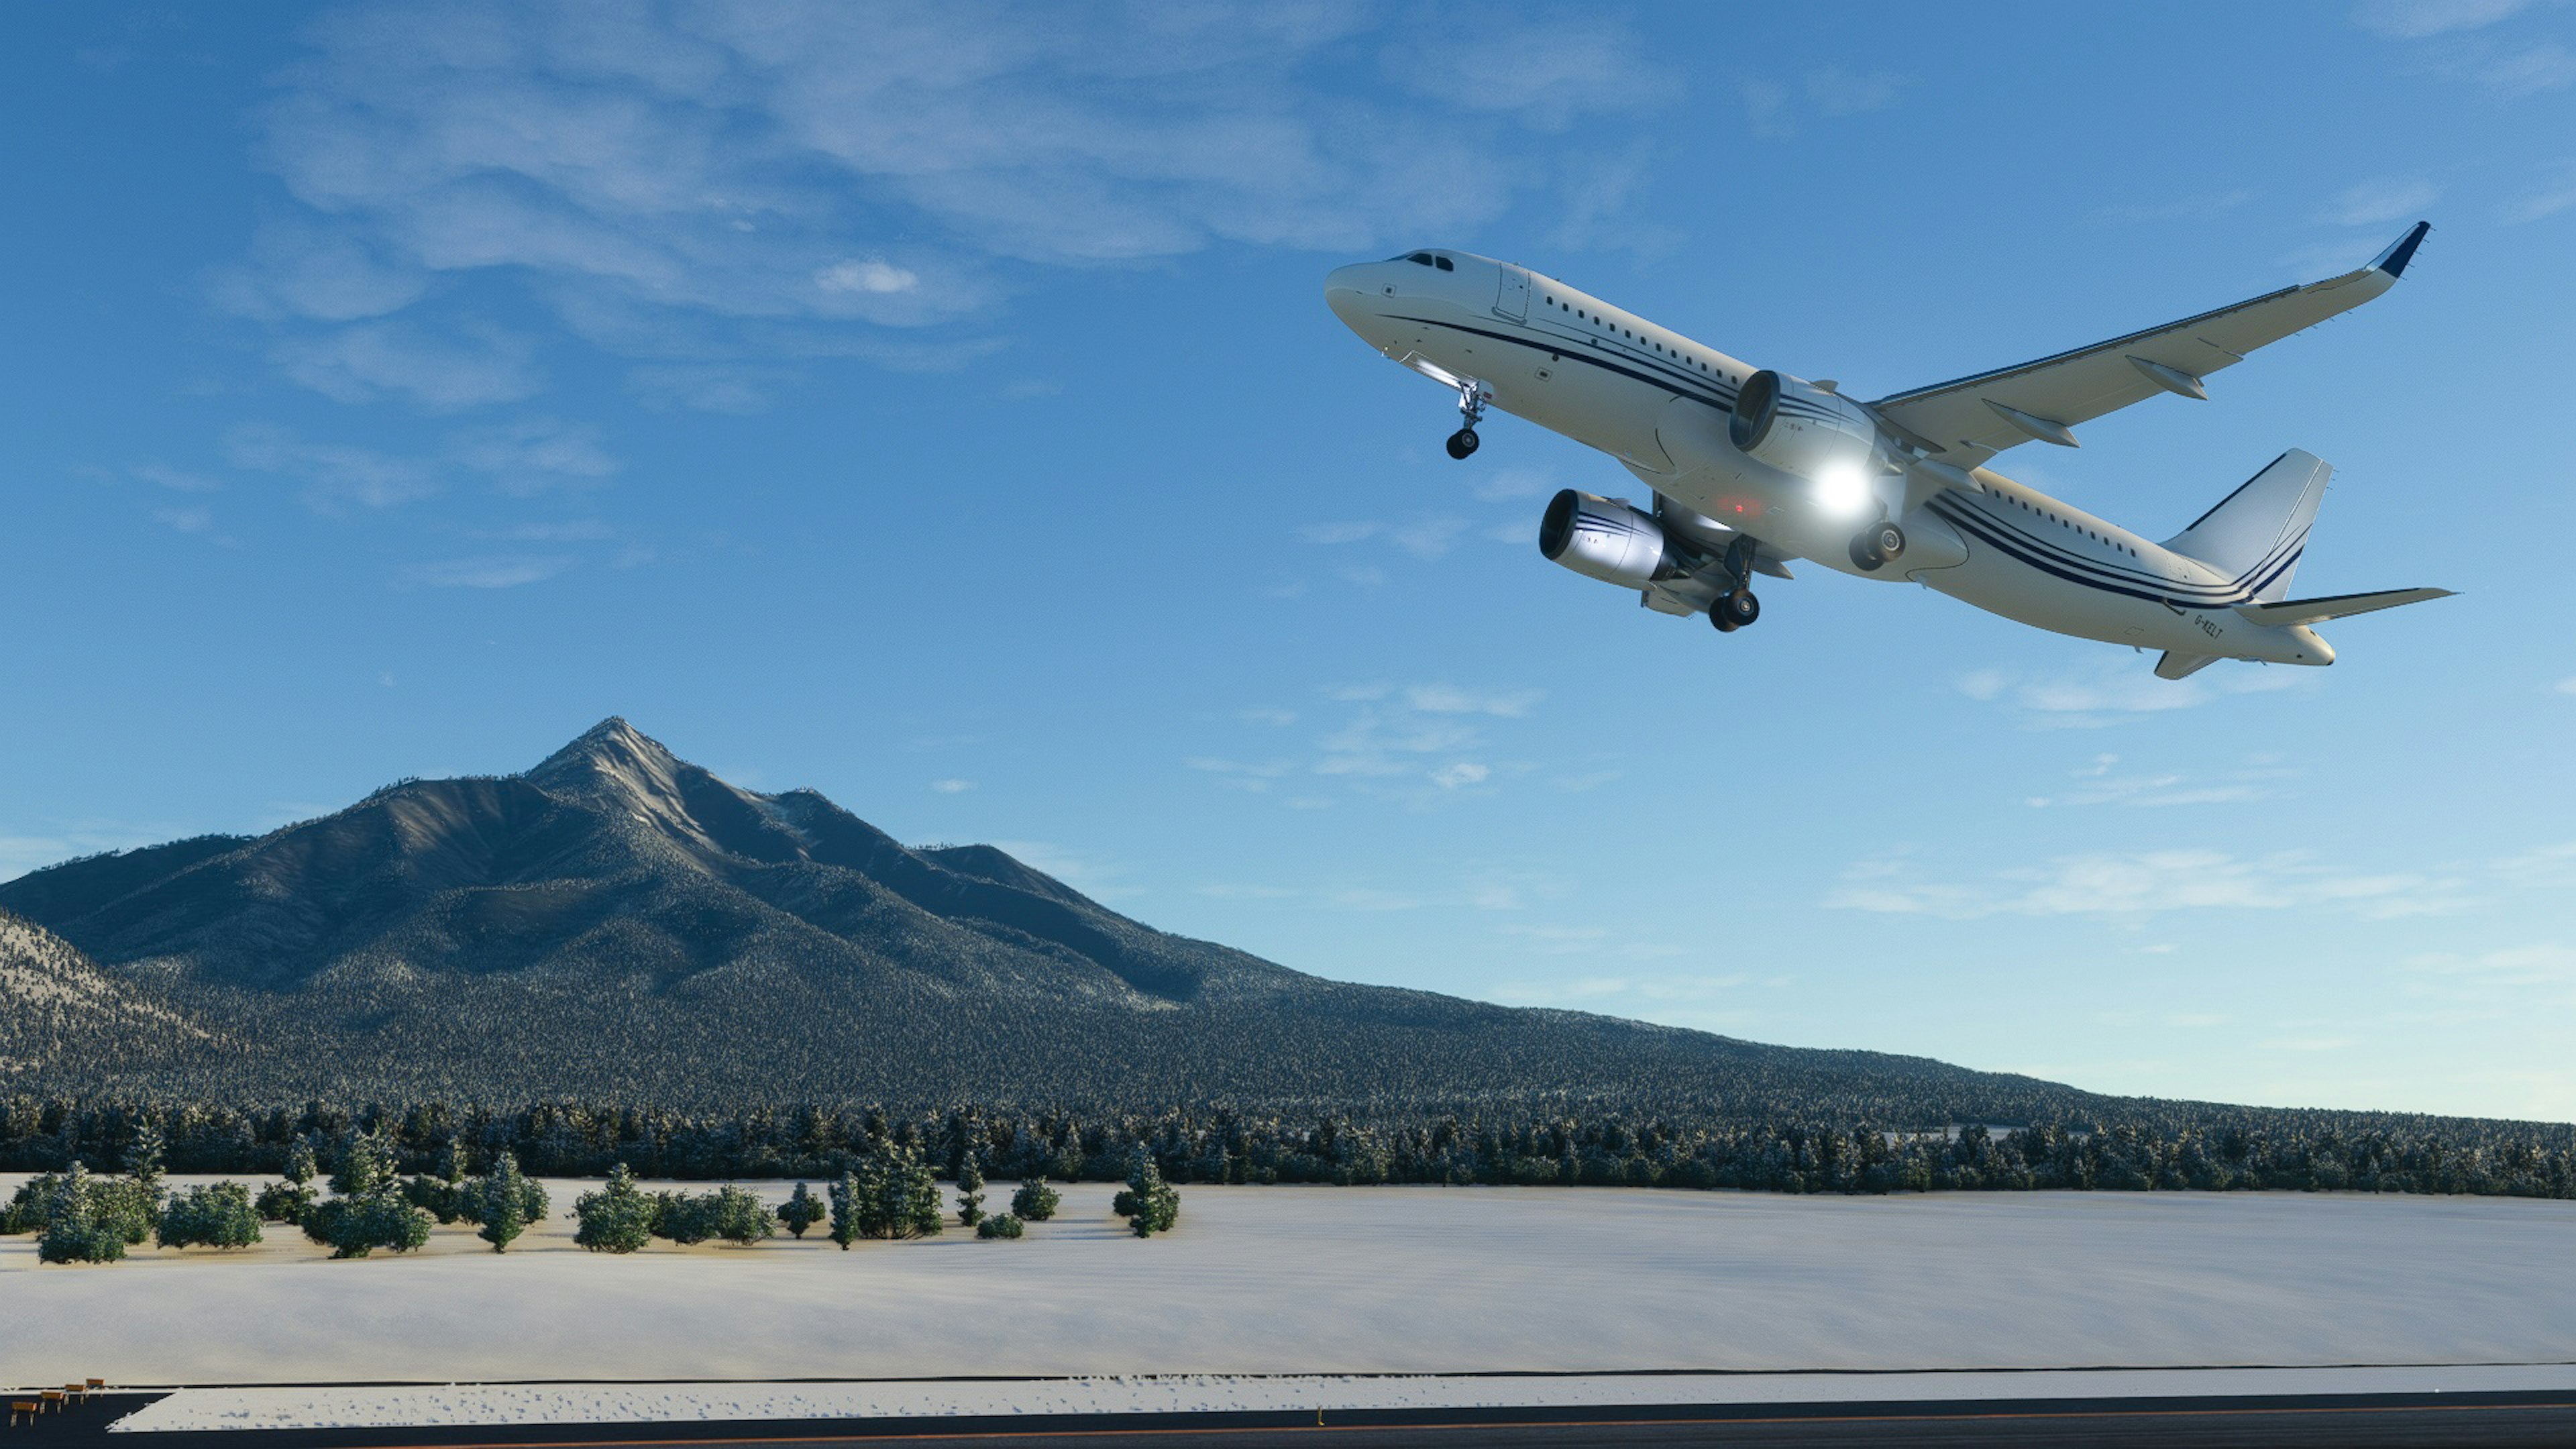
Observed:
{"x":2125,"y":573}
{"x":1975,"y":522}
{"x":1723,"y":399}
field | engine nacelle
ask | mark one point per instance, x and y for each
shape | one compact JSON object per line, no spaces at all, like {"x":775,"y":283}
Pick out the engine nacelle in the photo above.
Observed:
{"x":1605,"y":539}
{"x":1800,"y":428}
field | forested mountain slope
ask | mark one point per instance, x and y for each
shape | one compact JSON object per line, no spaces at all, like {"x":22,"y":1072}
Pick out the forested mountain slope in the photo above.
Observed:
{"x":619,"y":925}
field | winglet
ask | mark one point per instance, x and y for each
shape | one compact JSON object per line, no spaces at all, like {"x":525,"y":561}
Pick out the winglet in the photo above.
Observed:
{"x":2393,"y":261}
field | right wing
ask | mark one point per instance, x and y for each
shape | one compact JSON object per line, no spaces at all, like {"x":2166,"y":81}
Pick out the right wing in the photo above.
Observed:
{"x":1973,"y":418}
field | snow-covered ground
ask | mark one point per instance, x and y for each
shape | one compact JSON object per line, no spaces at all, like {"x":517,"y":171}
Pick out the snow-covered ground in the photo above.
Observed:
{"x":281,"y":1408}
{"x":1326,"y":1281}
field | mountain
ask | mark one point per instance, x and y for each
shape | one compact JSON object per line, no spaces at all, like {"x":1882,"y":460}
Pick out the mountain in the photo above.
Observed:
{"x":619,"y":924}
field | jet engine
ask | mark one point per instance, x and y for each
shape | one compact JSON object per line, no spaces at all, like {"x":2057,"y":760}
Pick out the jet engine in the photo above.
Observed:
{"x":1606,"y":539}
{"x":1800,"y":428}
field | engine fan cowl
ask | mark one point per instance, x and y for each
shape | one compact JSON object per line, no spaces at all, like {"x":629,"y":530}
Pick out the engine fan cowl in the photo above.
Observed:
{"x":1606,"y":539}
{"x":1798,"y":427}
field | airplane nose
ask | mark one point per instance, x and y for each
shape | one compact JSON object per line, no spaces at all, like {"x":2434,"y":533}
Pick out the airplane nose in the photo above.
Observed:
{"x":1343,"y":293}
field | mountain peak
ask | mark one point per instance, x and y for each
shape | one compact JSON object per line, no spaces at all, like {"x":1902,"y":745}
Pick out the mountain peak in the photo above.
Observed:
{"x":608,"y":755}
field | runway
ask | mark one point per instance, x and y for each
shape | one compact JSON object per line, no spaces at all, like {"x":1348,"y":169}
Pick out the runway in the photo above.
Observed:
{"x":2472,"y":1418}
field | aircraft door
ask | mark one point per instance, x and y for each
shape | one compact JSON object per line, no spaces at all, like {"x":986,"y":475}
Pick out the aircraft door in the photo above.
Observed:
{"x":1513,"y":300}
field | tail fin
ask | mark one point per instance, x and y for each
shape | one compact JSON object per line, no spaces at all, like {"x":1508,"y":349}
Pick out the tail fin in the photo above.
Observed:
{"x":2255,"y":534}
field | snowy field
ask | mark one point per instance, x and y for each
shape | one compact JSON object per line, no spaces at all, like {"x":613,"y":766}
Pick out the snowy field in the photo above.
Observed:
{"x":1330,"y":1281}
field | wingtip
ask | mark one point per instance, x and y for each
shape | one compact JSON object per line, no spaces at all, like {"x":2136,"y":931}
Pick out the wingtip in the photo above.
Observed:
{"x":2393,"y":261}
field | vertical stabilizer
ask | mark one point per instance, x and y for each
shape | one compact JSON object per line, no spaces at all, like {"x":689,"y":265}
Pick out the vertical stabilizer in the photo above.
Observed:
{"x":2255,"y":534}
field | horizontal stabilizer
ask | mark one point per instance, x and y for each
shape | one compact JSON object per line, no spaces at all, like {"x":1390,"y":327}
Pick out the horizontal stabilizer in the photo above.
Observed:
{"x":2180,"y":666}
{"x":2339,"y":606}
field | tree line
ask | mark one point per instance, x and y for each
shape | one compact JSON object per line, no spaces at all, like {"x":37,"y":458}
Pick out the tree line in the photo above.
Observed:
{"x":79,"y":1216}
{"x":2158,"y":1146}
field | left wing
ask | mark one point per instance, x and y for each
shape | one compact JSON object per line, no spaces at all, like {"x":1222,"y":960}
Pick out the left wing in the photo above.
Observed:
{"x":1974,"y":418}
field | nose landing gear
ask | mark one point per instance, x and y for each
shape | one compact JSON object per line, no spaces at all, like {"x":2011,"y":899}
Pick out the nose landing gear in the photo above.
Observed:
{"x":1876,"y":546}
{"x":1472,"y":398}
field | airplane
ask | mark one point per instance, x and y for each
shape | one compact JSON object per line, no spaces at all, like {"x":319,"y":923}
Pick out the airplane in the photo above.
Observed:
{"x":1751,"y":469}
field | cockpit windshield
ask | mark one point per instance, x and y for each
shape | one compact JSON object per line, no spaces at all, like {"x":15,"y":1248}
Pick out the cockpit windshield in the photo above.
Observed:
{"x":1427,"y":259}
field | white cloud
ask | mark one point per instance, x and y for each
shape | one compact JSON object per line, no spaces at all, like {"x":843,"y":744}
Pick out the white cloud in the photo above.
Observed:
{"x":2102,"y":783}
{"x":1452,"y":699}
{"x":489,"y":571}
{"x":2415,"y":19}
{"x":186,"y":520}
{"x":2536,"y":964}
{"x":1456,"y":776}
{"x":872,"y":274}
{"x":2567,"y":685}
{"x":1776,"y":111}
{"x":174,"y":479}
{"x":2383,"y":199}
{"x":334,"y":474}
{"x":952,"y":787}
{"x":535,"y":455}
{"x":2137,"y":884}
{"x":723,"y":387}
{"x":2552,"y":193}
{"x":439,"y":372}
{"x":1428,"y":539}
{"x":1268,"y":716}
{"x":2111,"y":688}
{"x":692,"y":185}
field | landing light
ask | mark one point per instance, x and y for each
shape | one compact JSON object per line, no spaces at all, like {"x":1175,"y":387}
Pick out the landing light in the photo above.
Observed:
{"x":1843,"y":490}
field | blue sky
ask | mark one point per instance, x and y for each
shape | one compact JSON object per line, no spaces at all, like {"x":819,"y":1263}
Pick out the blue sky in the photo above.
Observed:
{"x":938,"y":408}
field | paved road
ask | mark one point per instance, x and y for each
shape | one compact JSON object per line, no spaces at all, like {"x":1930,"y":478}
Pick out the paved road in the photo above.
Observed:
{"x":2482,"y":1419}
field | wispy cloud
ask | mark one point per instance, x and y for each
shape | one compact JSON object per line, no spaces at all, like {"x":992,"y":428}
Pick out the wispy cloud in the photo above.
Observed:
{"x":951,"y":787}
{"x":465,"y":367}
{"x":691,"y":186}
{"x":2382,"y":199}
{"x":2552,"y":192}
{"x":335,"y":474}
{"x":1777,"y":109}
{"x":2416,"y":19}
{"x":488,"y":571}
{"x":2137,"y":884}
{"x":535,"y":455}
{"x":2103,"y":782}
{"x":2109,"y":690}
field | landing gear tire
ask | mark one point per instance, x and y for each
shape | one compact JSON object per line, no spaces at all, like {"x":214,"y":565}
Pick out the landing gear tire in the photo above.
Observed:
{"x":1735,"y":609}
{"x":1462,"y":443}
{"x":1718,"y":617}
{"x":1887,"y":540}
{"x":1864,"y":556}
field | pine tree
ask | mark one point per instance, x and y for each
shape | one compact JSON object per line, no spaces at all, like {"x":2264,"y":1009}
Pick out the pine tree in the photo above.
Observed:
{"x":1150,"y":1205}
{"x":372,"y":1210}
{"x":849,"y":1200}
{"x":999,"y":1225}
{"x":83,"y":1221}
{"x":1035,"y":1201}
{"x":503,"y":1203}
{"x":220,"y":1216}
{"x":970,"y":1189}
{"x":802,"y":1210}
{"x":143,"y":1159}
{"x":617,"y":1218}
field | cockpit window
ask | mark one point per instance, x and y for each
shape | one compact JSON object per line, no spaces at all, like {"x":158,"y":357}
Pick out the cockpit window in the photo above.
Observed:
{"x":1444,"y":264}
{"x":1420,"y":259}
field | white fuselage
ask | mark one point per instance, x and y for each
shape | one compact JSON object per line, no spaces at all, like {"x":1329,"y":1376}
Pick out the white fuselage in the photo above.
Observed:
{"x":1660,"y":402}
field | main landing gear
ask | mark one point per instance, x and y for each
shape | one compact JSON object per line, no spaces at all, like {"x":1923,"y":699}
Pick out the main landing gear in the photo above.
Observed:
{"x":1736,"y":607}
{"x":1876,"y":546}
{"x":1471,"y":411}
